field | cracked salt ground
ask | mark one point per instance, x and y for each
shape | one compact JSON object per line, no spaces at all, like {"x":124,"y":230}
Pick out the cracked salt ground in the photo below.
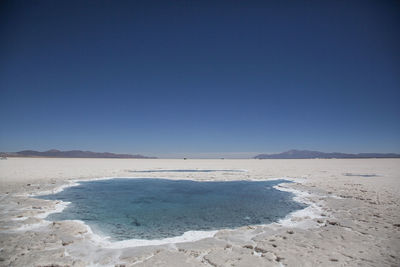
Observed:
{"x":358,"y":228}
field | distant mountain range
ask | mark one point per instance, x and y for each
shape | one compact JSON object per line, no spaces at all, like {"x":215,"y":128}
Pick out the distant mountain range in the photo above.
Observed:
{"x":71,"y":154}
{"x":306,"y":154}
{"x":291,"y":154}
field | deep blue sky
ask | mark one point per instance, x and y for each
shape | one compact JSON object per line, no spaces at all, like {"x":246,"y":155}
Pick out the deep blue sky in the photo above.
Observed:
{"x":173,"y":77}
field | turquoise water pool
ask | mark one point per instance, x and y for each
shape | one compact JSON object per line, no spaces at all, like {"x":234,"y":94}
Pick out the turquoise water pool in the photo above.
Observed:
{"x":159,"y":208}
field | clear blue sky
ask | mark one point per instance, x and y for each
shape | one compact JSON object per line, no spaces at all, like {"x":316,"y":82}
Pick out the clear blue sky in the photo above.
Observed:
{"x":199,"y":77}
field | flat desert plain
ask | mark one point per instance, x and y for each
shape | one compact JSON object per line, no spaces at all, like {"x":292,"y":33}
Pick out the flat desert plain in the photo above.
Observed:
{"x":353,"y":218}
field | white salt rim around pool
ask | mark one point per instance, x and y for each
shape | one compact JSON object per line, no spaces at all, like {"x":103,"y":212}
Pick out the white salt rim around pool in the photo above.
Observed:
{"x":299,"y":219}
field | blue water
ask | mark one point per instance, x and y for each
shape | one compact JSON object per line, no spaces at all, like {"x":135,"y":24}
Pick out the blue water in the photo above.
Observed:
{"x":161,"y":208}
{"x":361,"y":175}
{"x":150,"y":171}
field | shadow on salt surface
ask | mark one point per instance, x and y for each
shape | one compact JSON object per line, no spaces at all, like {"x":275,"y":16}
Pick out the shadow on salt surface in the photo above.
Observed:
{"x":360,"y":175}
{"x":158,"y":171}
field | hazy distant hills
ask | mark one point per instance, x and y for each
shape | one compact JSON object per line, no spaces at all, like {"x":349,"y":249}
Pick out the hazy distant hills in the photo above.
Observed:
{"x":291,"y":154}
{"x":306,"y":154}
{"x":70,"y":154}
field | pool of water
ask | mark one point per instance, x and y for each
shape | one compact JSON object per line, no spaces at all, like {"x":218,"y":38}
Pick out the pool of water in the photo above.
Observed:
{"x":160,"y":208}
{"x":194,"y":170}
{"x":361,"y":175}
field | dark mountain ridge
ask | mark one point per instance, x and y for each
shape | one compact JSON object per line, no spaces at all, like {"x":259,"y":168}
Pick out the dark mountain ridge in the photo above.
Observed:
{"x":306,"y":154}
{"x":54,"y":153}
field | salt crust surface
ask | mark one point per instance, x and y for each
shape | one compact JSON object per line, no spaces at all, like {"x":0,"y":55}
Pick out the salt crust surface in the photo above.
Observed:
{"x":350,"y":220}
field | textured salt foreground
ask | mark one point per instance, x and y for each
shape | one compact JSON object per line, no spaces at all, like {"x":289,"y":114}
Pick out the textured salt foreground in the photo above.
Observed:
{"x":353,"y":218}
